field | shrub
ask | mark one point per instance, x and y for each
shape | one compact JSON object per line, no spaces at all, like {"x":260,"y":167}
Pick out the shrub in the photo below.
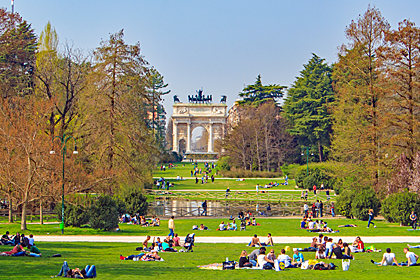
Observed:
{"x":136,"y":202}
{"x":363,"y":201}
{"x":104,"y":213}
{"x":343,"y":205}
{"x":74,"y":215}
{"x":397,"y":207}
{"x":224,"y":163}
{"x":240,"y":173}
{"x":290,"y":170}
{"x":317,"y":176}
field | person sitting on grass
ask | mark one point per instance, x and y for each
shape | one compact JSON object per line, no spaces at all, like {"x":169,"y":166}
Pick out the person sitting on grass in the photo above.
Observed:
{"x":253,"y":257}
{"x":303,"y":223}
{"x":314,"y":244}
{"x":411,"y":258}
{"x":339,"y":254}
{"x":5,"y":239}
{"x":166,"y":245}
{"x":263,"y":261}
{"x":297,"y":258}
{"x":176,"y":240}
{"x":269,"y":241}
{"x":387,"y":259}
{"x":254,"y":222}
{"x":320,"y":254}
{"x":145,"y":243}
{"x":232,"y":226}
{"x":244,"y":260}
{"x":254,"y":241}
{"x":203,"y":227}
{"x":34,"y":251}
{"x":222,"y":226}
{"x":358,"y":245}
{"x":271,"y":256}
{"x":329,"y":248}
{"x":283,"y":257}
{"x":16,"y":239}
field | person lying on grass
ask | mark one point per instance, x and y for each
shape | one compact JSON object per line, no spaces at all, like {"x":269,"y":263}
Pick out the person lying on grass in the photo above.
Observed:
{"x":151,"y":256}
{"x":16,"y":251}
{"x":87,"y":272}
{"x":350,"y":225}
{"x":387,"y":259}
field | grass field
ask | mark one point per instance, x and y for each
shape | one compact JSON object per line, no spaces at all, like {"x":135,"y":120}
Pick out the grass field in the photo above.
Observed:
{"x":277,"y":227}
{"x":184,"y":265}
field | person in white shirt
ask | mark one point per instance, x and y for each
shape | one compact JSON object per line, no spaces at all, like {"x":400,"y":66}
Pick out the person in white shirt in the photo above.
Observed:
{"x":328,"y":248}
{"x":320,"y":254}
{"x":311,"y":224}
{"x":284,"y":258}
{"x":411,"y":257}
{"x":222,"y":226}
{"x":262,"y":259}
{"x":387,"y":259}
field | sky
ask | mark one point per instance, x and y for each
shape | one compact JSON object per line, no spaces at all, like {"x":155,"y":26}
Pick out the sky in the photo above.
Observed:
{"x":216,"y":45}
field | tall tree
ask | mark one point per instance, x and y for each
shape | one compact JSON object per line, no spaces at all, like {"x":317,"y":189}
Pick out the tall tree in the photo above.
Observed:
{"x":307,"y":104}
{"x":400,"y":57}
{"x":357,"y":112}
{"x":17,"y":55}
{"x":258,"y":93}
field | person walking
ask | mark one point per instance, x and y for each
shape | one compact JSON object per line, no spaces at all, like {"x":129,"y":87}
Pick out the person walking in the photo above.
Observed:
{"x":257,"y":187}
{"x":171,"y":226}
{"x":204,"y":205}
{"x":321,"y":205}
{"x":371,"y":218}
{"x":413,"y":218}
{"x":306,"y":209}
{"x":314,"y":188}
{"x":227,"y":192}
{"x":332,"y":209}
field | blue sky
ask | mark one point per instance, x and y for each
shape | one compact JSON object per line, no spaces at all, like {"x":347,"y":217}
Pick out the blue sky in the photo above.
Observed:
{"x":217,"y":45}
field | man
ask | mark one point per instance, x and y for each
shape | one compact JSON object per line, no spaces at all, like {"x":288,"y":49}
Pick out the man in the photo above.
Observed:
{"x":317,"y":208}
{"x":255,"y":241}
{"x":253,"y":257}
{"x":328,"y":195}
{"x":269,"y":241}
{"x":227,"y":192}
{"x":387,"y":259}
{"x":34,"y":251}
{"x":297,"y":258}
{"x":321,"y":205}
{"x":257,"y":187}
{"x":204,"y":205}
{"x":411,"y":257}
{"x":171,"y":226}
{"x":306,"y":209}
{"x":284,"y":258}
{"x":5,"y":239}
{"x":145,"y":242}
{"x":222,"y":226}
{"x":413,"y":218}
{"x":314,"y":188}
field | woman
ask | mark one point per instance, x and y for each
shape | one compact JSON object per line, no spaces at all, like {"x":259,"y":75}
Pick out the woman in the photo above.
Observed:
{"x":320,"y":254}
{"x":244,"y":260}
{"x":176,"y":240}
{"x":340,"y":243}
{"x":346,"y":250}
{"x":371,"y":218}
{"x":314,"y":244}
{"x":263,"y":260}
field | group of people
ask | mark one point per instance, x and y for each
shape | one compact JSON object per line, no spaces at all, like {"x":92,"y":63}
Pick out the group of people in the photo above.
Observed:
{"x":19,"y":243}
{"x":157,"y":245}
{"x":315,"y":225}
{"x":388,"y":258}
{"x":255,"y":241}
{"x":140,"y":220}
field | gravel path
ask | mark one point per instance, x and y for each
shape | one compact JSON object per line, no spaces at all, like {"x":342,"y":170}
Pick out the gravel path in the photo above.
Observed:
{"x":216,"y":239}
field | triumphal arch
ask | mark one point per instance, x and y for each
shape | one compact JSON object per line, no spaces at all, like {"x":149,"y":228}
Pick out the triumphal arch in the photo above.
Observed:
{"x":198,"y":112}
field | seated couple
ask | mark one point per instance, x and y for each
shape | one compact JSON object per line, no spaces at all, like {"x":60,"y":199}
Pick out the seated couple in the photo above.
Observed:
{"x":252,"y":223}
{"x":389,"y":258}
{"x":202,"y":227}
{"x":229,"y":226}
{"x":87,"y":272}
{"x":151,"y":256}
{"x":255,"y":241}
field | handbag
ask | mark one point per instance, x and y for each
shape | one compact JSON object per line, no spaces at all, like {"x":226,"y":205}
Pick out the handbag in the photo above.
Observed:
{"x":345,"y":264}
{"x":229,"y":265}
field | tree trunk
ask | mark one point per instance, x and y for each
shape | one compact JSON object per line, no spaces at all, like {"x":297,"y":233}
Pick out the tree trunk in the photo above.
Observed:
{"x":10,"y":208}
{"x":320,"y":151}
{"x":23,"y":220}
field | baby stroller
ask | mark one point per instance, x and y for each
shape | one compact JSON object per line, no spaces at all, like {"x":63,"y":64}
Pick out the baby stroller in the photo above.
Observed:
{"x":189,"y":242}
{"x":243,"y":224}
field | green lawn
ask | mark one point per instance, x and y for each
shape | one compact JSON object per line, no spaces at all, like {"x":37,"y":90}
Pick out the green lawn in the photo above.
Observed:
{"x":181,"y":169}
{"x":184,"y":265}
{"x":277,"y":227}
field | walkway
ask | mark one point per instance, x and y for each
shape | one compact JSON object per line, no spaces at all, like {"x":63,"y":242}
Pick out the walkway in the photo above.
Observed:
{"x":216,"y":239}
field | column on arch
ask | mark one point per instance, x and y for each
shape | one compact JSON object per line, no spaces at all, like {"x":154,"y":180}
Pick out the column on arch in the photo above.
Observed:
{"x":210,"y":145}
{"x":188,"y":137}
{"x":175,"y":137}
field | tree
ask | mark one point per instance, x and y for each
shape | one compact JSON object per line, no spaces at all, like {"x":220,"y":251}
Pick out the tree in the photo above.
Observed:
{"x":307,"y":104}
{"x":17,"y":55}
{"x":358,"y":107}
{"x":103,"y":214}
{"x":257,"y":93}
{"x":400,"y":60}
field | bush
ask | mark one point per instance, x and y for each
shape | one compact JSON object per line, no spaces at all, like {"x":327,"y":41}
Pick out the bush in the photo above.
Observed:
{"x":224,"y":163}
{"x":74,"y":215}
{"x":357,"y":202}
{"x":362,"y":202}
{"x":343,"y":205}
{"x":104,"y":213}
{"x":240,"y":173}
{"x":136,"y":202}
{"x":317,"y":176}
{"x":397,"y":207}
{"x":290,"y":170}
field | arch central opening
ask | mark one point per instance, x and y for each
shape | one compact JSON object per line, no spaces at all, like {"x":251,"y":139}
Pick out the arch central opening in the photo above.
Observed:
{"x":200,"y":139}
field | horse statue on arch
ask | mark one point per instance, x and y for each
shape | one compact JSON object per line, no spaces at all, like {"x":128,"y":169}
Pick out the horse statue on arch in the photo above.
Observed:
{"x":223,"y":100}
{"x":176,"y":99}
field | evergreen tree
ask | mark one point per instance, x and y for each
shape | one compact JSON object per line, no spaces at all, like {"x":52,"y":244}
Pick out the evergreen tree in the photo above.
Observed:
{"x":306,"y":104}
{"x":257,"y":93}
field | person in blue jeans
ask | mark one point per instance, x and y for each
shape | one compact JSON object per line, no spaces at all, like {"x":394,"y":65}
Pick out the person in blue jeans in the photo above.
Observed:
{"x":371,"y":218}
{"x":87,"y":272}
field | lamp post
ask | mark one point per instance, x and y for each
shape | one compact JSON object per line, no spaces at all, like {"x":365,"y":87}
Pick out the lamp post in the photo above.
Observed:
{"x":307,"y":158}
{"x":64,"y":140}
